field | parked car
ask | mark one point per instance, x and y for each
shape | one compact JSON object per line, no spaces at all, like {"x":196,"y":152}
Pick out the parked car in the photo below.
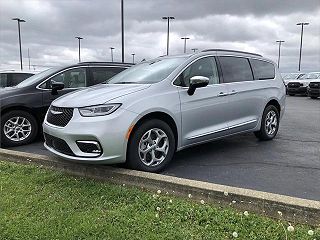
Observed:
{"x":10,"y":78}
{"x":24,"y":106}
{"x":145,"y":114}
{"x":314,"y":85}
{"x":288,"y":77}
{"x":299,"y":86}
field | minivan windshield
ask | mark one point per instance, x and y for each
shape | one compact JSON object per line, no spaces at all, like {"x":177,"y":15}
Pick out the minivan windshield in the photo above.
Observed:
{"x":148,"y":72}
{"x":38,"y":77}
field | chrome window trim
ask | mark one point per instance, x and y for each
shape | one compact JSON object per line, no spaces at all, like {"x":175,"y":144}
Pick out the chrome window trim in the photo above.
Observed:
{"x":224,"y":55}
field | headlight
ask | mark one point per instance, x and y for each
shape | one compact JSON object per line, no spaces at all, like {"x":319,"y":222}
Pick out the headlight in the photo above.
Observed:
{"x":99,"y":110}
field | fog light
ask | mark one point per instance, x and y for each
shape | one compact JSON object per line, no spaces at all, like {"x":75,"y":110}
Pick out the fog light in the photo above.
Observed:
{"x":90,"y":147}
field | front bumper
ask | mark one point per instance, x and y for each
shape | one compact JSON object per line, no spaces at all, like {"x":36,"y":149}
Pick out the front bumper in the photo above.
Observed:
{"x":108,"y":131}
{"x":299,"y":90}
{"x":314,"y":92}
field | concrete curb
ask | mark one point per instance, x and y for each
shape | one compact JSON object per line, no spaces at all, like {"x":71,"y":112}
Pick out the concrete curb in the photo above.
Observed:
{"x":293,"y":209}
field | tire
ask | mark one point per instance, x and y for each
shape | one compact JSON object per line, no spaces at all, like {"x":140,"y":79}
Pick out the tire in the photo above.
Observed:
{"x":291,"y":94}
{"x":313,"y":97}
{"x":263,"y":133}
{"x":26,"y":130}
{"x":141,"y":140}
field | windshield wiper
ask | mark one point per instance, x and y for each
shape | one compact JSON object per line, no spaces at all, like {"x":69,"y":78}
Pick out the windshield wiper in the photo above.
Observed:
{"x":124,"y":83}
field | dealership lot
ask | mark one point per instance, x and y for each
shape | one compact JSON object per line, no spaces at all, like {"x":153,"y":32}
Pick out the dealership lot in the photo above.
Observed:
{"x":290,"y":164}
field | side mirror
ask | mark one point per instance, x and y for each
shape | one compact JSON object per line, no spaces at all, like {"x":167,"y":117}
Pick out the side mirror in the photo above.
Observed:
{"x":55,"y":86}
{"x":197,"y":82}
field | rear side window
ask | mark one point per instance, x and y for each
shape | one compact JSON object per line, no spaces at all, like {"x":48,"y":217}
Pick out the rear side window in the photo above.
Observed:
{"x":19,"y":77}
{"x":235,"y":69}
{"x":3,"y":80}
{"x":103,"y":74}
{"x":262,"y":70}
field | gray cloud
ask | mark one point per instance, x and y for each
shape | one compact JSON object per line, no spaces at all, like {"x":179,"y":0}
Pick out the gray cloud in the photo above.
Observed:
{"x":237,"y":24}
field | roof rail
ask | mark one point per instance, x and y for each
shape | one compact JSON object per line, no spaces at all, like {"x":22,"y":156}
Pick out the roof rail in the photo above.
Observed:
{"x":234,"y":51}
{"x":98,"y":62}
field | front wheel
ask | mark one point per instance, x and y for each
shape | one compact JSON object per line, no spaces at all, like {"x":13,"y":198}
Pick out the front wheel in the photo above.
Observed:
{"x":269,"y":124}
{"x":313,"y":97}
{"x":18,"y":128}
{"x":151,"y":146}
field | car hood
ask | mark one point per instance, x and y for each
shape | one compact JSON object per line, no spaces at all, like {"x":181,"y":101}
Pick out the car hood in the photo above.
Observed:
{"x":98,"y":94}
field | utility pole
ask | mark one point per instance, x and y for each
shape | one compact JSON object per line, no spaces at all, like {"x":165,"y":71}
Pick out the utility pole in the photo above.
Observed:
{"x":133,"y":57}
{"x":79,"y":38}
{"x":185,"y":43}
{"x":19,"y":21}
{"x":168,"y":18}
{"x":300,"y":54}
{"x":122,"y":32}
{"x":111,"y":49}
{"x":194,"y":49}
{"x":280,"y":42}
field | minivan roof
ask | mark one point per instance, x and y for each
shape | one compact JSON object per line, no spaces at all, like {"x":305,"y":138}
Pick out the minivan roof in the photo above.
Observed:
{"x":231,"y":51}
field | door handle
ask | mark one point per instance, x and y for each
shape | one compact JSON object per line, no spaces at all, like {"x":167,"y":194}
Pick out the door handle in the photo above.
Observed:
{"x":233,"y":92}
{"x":221,"y":94}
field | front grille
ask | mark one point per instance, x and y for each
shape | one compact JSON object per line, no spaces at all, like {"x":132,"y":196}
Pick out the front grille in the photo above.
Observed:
{"x":58,"y":144}
{"x":294,"y":85}
{"x":59,"y":116}
{"x":314,"y":85}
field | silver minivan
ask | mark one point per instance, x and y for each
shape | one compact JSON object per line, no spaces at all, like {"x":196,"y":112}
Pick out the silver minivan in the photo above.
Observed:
{"x":146,"y":113}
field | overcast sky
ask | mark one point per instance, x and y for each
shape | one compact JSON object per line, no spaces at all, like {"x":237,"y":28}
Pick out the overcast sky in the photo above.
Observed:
{"x":248,"y":25}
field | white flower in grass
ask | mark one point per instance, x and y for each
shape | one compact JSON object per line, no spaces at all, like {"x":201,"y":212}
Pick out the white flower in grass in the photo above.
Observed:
{"x":246,"y":213}
{"x":290,"y":228}
{"x":159,"y":192}
{"x":234,"y":201}
{"x":280,"y":213}
{"x":157,"y":215}
{"x":158,"y":208}
{"x":189,"y":195}
{"x":170,"y":201}
{"x":310,"y":232}
{"x":226,"y":193}
{"x":123,"y":185}
{"x":154,"y":196}
{"x":235,"y":234}
{"x":202,"y":201}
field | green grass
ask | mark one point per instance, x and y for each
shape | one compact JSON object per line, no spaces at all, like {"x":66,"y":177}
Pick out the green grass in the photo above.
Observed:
{"x":41,"y":204}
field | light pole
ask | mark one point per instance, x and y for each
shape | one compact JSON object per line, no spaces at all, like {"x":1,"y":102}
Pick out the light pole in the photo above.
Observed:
{"x":111,"y":49}
{"x":194,"y":49}
{"x":29,"y":58}
{"x":19,"y":21}
{"x":185,"y":43}
{"x":79,"y":39}
{"x":122,"y":32}
{"x":302,"y":24}
{"x":280,"y":42}
{"x":133,"y":57}
{"x":168,"y":18}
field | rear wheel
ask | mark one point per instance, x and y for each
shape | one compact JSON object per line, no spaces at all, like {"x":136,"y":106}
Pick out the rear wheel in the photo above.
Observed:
{"x":291,"y":94}
{"x":269,"y":124}
{"x":18,"y":128}
{"x":313,"y":97}
{"x":151,"y":146}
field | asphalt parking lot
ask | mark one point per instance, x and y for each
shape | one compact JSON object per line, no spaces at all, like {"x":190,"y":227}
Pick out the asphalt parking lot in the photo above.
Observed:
{"x":289,"y":165}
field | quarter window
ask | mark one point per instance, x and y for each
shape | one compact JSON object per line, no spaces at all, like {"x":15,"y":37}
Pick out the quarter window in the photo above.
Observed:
{"x":262,"y":70}
{"x":235,"y":69}
{"x":73,"y":78}
{"x":205,"y":67}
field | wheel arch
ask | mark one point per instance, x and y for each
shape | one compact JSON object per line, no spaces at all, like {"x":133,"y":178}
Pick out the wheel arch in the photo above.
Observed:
{"x":21,"y":108}
{"x":275,"y":103}
{"x":157,"y":115}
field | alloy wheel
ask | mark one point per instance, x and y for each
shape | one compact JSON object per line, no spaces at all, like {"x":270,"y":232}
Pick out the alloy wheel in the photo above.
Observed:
{"x":17,"y":129}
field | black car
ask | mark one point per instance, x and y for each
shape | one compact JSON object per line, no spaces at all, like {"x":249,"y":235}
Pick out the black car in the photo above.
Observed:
{"x":12,"y":78}
{"x":24,"y":106}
